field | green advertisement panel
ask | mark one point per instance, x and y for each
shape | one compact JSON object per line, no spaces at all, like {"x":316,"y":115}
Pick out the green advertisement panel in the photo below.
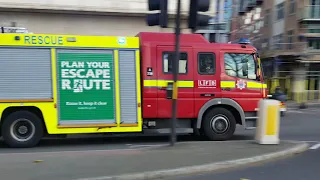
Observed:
{"x":85,"y":87}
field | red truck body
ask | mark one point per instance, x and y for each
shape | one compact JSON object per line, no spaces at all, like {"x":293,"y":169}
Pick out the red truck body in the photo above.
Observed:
{"x":198,"y":93}
{"x":122,"y":91}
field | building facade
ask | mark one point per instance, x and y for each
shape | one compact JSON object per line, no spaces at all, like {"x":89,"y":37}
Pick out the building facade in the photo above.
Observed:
{"x":287,"y":35}
{"x":219,"y":26}
{"x":80,"y":17}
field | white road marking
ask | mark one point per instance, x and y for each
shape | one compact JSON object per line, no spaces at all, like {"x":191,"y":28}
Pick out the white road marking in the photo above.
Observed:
{"x":311,"y":141}
{"x":296,"y":111}
{"x":71,"y":152}
{"x":316,"y":146}
{"x":313,"y":110}
{"x":147,"y":145}
{"x":304,"y":111}
{"x":301,"y":141}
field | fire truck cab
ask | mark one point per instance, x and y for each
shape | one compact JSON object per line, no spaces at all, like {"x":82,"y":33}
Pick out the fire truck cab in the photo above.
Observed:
{"x":219,"y":85}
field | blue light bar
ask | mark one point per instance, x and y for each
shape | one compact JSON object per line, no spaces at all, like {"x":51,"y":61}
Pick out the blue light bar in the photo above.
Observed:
{"x":244,"y":41}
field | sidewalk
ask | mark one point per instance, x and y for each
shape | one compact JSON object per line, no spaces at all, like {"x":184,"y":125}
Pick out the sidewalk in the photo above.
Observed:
{"x":184,"y":158}
{"x":310,"y":103}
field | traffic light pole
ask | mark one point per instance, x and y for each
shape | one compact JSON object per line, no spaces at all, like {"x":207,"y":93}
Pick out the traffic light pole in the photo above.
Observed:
{"x":173,"y":137}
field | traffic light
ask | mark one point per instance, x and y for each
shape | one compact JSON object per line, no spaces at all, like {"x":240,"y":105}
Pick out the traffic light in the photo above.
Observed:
{"x":158,"y":19}
{"x":196,"y":19}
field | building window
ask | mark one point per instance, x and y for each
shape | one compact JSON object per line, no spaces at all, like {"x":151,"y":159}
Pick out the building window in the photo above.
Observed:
{"x":241,"y":5}
{"x":277,"y":41}
{"x":206,"y":63}
{"x":266,"y":17}
{"x":292,"y":7}
{"x":280,"y":11}
{"x":290,"y":39}
{"x":240,"y":65}
{"x":314,"y":43}
{"x":314,"y":9}
{"x":168,"y":58}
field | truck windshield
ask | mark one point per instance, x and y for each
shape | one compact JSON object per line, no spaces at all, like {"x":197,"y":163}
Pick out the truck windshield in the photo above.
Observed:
{"x":241,"y":65}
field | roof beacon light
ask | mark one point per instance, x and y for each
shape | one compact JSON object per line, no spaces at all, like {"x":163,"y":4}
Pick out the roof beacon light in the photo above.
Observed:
{"x":244,"y":41}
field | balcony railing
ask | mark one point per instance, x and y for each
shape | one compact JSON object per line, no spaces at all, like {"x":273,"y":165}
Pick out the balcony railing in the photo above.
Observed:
{"x":311,"y":12}
{"x":296,"y":48}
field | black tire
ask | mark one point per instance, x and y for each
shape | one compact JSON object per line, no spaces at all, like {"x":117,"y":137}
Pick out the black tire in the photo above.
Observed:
{"x":28,"y":122}
{"x":221,"y":115}
{"x":282,"y":114}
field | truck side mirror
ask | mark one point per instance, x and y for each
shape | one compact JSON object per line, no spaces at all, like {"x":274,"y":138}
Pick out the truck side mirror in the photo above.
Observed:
{"x":169,"y":90}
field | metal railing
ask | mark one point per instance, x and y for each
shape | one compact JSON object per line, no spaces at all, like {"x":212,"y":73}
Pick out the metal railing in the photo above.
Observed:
{"x":283,"y":48}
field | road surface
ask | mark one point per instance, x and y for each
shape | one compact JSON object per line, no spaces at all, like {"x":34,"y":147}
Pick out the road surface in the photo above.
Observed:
{"x":302,"y":125}
{"x":293,"y":127}
{"x":297,"y":125}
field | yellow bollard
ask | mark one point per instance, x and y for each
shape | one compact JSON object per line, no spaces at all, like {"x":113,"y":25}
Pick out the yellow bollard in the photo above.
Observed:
{"x":275,"y":83}
{"x":312,"y":88}
{"x":287,"y":86}
{"x":267,"y":131}
{"x":272,"y":86}
{"x":306,"y":92}
{"x":269,"y":86}
{"x":319,"y":92}
{"x":299,"y":93}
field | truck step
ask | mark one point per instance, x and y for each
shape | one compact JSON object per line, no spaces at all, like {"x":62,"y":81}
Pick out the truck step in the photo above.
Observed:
{"x":168,"y":131}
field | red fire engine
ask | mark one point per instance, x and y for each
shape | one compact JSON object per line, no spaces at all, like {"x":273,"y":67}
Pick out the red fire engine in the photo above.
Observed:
{"x":105,"y":84}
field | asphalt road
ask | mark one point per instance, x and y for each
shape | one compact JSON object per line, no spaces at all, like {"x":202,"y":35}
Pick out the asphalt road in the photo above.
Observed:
{"x":296,"y":125}
{"x":303,"y":125}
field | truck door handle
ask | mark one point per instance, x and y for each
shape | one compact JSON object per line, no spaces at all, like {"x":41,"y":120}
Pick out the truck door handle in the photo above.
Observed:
{"x":226,"y":89}
{"x":207,"y":95}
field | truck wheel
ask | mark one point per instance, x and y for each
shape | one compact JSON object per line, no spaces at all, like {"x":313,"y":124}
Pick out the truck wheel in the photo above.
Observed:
{"x":22,"y":129}
{"x":219,"y":124}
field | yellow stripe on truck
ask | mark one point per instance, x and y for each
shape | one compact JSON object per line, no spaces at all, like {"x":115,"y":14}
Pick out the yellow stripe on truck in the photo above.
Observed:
{"x":53,"y":40}
{"x":164,"y":83}
{"x":190,"y":84}
{"x":250,"y":85}
{"x":255,"y":85}
{"x":138,"y":89}
{"x":117,"y":87}
{"x":227,"y":84}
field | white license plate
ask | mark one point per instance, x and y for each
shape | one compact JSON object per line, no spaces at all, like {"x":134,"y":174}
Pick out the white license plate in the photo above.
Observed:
{"x":283,"y":109}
